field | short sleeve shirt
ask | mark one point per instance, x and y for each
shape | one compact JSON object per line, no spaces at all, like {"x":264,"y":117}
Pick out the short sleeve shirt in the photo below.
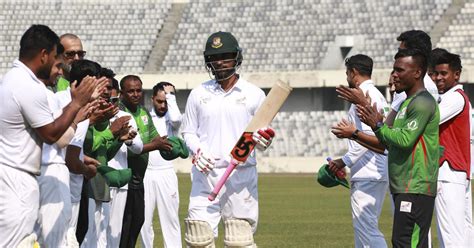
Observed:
{"x":24,"y":107}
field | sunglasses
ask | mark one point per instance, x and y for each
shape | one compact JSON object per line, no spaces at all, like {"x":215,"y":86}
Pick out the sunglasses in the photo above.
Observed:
{"x":72,"y":54}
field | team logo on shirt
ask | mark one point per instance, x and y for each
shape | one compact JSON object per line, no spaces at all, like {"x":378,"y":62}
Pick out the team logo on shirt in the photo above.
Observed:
{"x":205,"y":100}
{"x":145,"y":119}
{"x":216,"y":42}
{"x":240,"y":100}
{"x":412,"y":125}
{"x":401,"y":113}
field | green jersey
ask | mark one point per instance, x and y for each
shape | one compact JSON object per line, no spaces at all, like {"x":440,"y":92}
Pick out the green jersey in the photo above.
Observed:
{"x":101,"y":145}
{"x":413,"y":146}
{"x":147,"y":131}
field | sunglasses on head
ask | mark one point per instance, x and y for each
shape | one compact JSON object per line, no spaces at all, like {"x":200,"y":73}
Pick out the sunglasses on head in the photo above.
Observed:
{"x":72,"y":54}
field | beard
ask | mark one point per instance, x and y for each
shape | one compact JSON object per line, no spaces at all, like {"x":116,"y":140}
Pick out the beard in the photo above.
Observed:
{"x":44,"y":72}
{"x":223,"y":74}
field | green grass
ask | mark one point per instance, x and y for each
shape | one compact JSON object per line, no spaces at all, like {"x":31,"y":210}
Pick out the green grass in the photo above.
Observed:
{"x":295,"y":211}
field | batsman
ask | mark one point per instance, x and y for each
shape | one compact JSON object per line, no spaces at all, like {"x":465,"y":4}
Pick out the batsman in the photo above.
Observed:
{"x":217,"y":112}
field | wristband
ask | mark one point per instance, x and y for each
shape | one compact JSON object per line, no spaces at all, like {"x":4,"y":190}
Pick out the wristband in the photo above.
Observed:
{"x":379,"y":125}
{"x":355,"y":135}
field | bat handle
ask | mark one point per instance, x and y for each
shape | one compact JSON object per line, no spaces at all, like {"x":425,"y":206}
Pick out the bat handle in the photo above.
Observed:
{"x":212,"y":196}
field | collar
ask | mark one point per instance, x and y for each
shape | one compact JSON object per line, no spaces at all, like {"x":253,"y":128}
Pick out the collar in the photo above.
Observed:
{"x":154,"y":114}
{"x":237,"y":86}
{"x":454,"y":88}
{"x":364,"y":85}
{"x":18,"y":64}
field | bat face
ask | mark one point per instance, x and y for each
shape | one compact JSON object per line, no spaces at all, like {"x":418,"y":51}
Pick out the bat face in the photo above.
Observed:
{"x":262,"y":118}
{"x":243,"y":148}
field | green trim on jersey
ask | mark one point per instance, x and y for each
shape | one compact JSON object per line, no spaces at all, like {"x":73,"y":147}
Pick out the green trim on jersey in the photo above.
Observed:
{"x":415,"y":236}
{"x":147,"y":131}
{"x":62,"y":84}
{"x":413,"y":146}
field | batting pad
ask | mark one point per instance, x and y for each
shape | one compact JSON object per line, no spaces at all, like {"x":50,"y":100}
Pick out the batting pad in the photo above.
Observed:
{"x":238,"y":233}
{"x":198,"y":234}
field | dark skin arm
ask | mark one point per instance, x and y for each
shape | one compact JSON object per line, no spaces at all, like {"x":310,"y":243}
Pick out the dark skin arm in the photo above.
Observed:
{"x":75,"y":165}
{"x":158,"y":143}
{"x":370,"y":116}
{"x":345,"y":129}
{"x":81,"y":95}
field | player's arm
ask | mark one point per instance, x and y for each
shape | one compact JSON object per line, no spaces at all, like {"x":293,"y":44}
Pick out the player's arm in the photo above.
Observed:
{"x":190,"y":125}
{"x":158,"y":142}
{"x":135,"y":145}
{"x":75,"y":165}
{"x":450,"y":106}
{"x":81,"y":95}
{"x":418,"y":114}
{"x":173,"y":115}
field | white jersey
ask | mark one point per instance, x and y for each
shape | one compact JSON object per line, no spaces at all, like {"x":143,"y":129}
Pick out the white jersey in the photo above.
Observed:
{"x":24,"y":108}
{"x":214,"y":119}
{"x":75,"y":180}
{"x":120,"y":159}
{"x":430,"y":86}
{"x":53,"y":154}
{"x":364,"y":163}
{"x":166,"y":125}
{"x":451,"y":104}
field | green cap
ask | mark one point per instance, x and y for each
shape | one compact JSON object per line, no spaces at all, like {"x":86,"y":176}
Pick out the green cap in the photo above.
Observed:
{"x":221,"y":42}
{"x":327,"y":179}
{"x":114,"y":177}
{"x":178,"y":149}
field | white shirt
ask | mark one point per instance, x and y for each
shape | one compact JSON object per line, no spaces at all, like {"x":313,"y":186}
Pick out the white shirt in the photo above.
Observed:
{"x":24,"y":107}
{"x":430,"y":86}
{"x":452,"y":103}
{"x":120,"y":159}
{"x":53,"y":154}
{"x":214,"y":119}
{"x":166,"y":125}
{"x":75,"y":180}
{"x":364,"y":163}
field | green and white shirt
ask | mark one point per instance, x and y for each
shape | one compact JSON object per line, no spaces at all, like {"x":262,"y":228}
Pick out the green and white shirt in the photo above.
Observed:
{"x":147,"y":131}
{"x":413,"y":145}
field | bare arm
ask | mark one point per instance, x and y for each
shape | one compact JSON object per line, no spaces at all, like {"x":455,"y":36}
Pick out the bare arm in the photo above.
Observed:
{"x":51,"y":132}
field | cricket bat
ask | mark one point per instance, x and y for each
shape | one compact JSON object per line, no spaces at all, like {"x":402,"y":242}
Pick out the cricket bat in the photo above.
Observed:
{"x":262,"y":118}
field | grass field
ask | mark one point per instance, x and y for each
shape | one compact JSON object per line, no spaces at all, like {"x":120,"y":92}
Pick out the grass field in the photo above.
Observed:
{"x":295,"y":211}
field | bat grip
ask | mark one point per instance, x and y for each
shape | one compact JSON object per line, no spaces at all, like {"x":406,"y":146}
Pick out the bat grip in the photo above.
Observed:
{"x":212,"y":196}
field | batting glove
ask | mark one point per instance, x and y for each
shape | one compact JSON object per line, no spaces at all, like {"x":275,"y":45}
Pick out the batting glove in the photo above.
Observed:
{"x":263,"y":137}
{"x":203,"y":161}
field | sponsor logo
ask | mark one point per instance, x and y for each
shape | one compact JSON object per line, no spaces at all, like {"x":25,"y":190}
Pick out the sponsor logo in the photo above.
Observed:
{"x":145,"y":119}
{"x":401,"y":114}
{"x":405,"y":206}
{"x":412,"y":125}
{"x":216,"y":42}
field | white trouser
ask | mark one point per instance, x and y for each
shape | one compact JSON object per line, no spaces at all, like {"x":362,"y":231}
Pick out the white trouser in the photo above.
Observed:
{"x":237,"y":199}
{"x":161,"y":190}
{"x":451,"y":204}
{"x":470,"y":226}
{"x":55,"y":205}
{"x":19,"y":204}
{"x":366,"y":201}
{"x":75,"y":186}
{"x":96,"y":235}
{"x":118,"y":198}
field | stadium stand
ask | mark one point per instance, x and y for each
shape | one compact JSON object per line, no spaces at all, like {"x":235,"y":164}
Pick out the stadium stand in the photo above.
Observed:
{"x":306,"y":134}
{"x":460,"y":35}
{"x":118,"y":34}
{"x":294,"y":34}
{"x":277,"y":36}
